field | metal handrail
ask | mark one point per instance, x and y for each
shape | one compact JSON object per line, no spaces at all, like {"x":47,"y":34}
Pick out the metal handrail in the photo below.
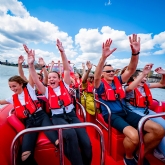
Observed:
{"x":109,"y":120}
{"x":83,"y":110}
{"x":81,"y":106}
{"x":141,"y":137}
{"x":60,"y":128}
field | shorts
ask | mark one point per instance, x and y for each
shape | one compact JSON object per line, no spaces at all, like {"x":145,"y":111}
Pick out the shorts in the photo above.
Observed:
{"x":123,"y":119}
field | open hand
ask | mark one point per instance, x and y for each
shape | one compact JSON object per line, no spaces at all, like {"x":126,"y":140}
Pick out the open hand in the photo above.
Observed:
{"x":147,"y":68}
{"x":134,"y":43}
{"x":41,"y":61}
{"x":89,"y":65}
{"x":159,"y":70}
{"x":31,"y":57}
{"x":21,"y":59}
{"x":26,"y":48}
{"x":59,"y":45}
{"x":106,"y":48}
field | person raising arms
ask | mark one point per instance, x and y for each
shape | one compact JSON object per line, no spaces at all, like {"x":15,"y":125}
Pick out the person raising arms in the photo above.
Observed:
{"x":28,"y":109}
{"x":139,"y":98}
{"x":110,"y":92}
{"x":62,"y":110}
{"x":87,"y":88}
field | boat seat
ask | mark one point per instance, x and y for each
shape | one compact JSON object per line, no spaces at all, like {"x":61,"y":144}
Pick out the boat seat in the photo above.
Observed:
{"x":158,"y":106}
{"x":116,"y":141}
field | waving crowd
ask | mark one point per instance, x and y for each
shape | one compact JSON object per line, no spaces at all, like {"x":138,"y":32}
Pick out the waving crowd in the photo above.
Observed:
{"x":126,"y":92}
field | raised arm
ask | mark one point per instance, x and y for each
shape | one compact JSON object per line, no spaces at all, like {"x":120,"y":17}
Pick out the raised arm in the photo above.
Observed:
{"x":20,"y":69}
{"x":106,"y":52}
{"x":85,"y":75}
{"x":135,"y":48}
{"x":139,"y":78}
{"x":162,"y":81}
{"x":43,"y":64}
{"x":32,"y":71}
{"x":66,"y":66}
{"x":83,"y":69}
{"x":51,"y":67}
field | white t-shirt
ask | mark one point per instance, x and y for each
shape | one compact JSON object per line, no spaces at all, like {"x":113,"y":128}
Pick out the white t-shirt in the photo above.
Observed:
{"x":58,"y":93}
{"x":21,"y":96}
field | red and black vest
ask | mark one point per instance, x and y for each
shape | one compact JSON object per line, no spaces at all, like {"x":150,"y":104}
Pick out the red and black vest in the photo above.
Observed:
{"x":30,"y":105}
{"x":111,"y":94}
{"x":139,"y":100}
{"x":54,"y":99}
{"x":90,"y":87}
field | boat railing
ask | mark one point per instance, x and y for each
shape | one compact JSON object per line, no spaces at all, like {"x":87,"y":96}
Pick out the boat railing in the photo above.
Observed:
{"x":60,"y":129}
{"x":141,"y":135}
{"x":73,"y":93}
{"x":109,"y":119}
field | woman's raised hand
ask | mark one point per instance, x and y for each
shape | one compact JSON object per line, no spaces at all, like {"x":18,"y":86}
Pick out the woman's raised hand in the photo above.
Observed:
{"x":106,"y":48}
{"x":41,"y":61}
{"x":26,"y":48}
{"x":135,"y":44}
{"x":147,"y":68}
{"x":159,"y":70}
{"x":31,"y":57}
{"x":89,"y":65}
{"x":59,"y":45}
{"x":21,"y":59}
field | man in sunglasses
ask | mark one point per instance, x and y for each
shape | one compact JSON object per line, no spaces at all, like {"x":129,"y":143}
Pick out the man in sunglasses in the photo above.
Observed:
{"x":110,"y":92}
{"x":87,"y":87}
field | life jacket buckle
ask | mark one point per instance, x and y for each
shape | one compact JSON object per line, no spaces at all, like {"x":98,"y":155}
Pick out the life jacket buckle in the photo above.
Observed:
{"x":60,"y":103}
{"x":116,"y":96}
{"x":26,"y":112}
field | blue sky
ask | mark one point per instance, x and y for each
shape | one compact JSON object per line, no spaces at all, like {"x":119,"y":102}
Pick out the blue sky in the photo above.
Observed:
{"x":82,"y":26}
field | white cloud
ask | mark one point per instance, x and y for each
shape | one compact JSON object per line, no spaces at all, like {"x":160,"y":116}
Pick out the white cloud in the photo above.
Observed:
{"x":17,"y":26}
{"x":14,"y":6}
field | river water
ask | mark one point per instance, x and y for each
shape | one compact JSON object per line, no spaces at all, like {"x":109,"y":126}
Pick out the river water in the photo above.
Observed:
{"x":7,"y":71}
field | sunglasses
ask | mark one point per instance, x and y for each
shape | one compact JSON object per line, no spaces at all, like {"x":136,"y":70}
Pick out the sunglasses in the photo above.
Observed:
{"x":108,"y":71}
{"x":91,"y":77}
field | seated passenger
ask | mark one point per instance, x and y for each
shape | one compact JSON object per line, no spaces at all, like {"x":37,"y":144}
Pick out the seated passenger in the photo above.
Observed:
{"x":139,"y":98}
{"x":111,"y":93}
{"x":62,"y":110}
{"x":87,"y":88}
{"x":77,"y":84}
{"x":29,"y":110}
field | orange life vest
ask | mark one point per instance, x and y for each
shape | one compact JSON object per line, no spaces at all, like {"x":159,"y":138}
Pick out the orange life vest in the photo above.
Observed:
{"x":90,"y":87}
{"x":54,"y":99}
{"x":139,"y":100}
{"x":111,"y":94}
{"x":30,"y":105}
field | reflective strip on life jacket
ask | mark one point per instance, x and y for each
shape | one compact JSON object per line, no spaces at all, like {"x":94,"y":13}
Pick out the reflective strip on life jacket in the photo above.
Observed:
{"x":54,"y":99}
{"x":111,"y":94}
{"x":29,"y":108}
{"x":139,"y":100}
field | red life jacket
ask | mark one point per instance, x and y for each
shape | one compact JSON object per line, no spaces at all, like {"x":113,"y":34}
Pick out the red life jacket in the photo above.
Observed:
{"x":111,"y":94}
{"x":76,"y":85}
{"x":90,"y":87}
{"x":139,"y":100}
{"x":54,"y":99}
{"x":30,"y":105}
